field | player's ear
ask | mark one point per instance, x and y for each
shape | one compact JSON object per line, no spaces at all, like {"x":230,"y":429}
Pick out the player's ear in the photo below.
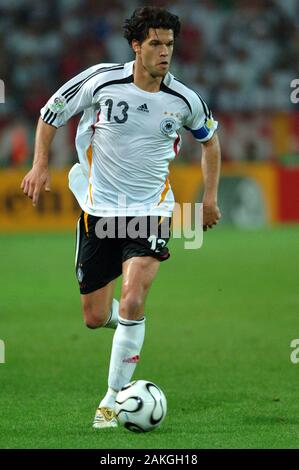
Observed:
{"x":136,"y":46}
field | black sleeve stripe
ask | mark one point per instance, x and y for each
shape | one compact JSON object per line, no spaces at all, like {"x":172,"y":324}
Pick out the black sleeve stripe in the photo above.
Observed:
{"x":72,"y":93}
{"x":72,"y":87}
{"x":86,"y":78}
{"x":50,"y":124}
{"x":69,"y":96}
{"x":53,"y":119}
{"x":164,"y":88}
{"x":45,"y":116}
{"x":128,"y":79}
{"x":49,"y":117}
{"x":206,"y":109}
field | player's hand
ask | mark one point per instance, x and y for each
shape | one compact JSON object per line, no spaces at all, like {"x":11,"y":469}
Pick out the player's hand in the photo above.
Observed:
{"x":37,"y":179}
{"x":211,"y":215}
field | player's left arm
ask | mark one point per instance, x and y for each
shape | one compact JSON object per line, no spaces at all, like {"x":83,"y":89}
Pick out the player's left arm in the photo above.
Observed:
{"x":211,"y":163}
{"x":201,"y":124}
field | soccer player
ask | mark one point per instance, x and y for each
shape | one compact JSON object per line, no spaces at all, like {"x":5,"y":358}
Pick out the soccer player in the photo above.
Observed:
{"x":127,"y":136}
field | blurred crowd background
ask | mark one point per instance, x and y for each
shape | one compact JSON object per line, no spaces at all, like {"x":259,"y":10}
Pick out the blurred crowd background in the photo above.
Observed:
{"x":240,"y":55}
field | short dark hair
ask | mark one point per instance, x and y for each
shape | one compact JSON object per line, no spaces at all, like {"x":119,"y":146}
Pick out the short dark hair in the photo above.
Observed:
{"x":144,"y":18}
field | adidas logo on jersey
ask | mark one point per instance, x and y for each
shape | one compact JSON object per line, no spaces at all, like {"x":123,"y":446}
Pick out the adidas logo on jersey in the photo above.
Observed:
{"x":143,"y":108}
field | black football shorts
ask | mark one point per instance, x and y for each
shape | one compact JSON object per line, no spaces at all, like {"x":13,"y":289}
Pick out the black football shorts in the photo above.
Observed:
{"x":104,"y":243}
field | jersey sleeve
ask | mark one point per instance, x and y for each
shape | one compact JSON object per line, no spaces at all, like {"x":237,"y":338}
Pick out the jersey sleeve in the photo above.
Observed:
{"x":200,"y":121}
{"x":72,"y":98}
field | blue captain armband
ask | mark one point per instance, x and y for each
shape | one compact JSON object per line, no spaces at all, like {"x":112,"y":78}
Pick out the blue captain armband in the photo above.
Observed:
{"x":205,"y":131}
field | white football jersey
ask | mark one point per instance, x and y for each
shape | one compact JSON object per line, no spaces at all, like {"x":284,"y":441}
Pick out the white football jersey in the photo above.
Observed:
{"x":126,"y":138}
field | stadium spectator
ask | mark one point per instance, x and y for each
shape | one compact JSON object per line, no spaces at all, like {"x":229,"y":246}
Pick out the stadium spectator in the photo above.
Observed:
{"x":248,"y":48}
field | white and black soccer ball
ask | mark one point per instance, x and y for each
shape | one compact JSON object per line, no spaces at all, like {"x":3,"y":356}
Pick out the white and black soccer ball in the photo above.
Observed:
{"x":140,"y":406}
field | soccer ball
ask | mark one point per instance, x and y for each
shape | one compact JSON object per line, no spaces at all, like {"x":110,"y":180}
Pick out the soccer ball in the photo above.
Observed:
{"x":140,"y":406}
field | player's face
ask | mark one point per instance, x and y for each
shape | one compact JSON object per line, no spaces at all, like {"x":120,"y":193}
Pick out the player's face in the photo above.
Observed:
{"x":156,"y":51}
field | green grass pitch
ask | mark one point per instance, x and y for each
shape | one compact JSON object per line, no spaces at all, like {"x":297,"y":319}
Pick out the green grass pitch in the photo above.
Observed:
{"x":219,"y":325}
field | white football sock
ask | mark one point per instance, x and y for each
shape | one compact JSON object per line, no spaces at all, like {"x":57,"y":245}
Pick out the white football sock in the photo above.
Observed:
{"x":112,"y":321}
{"x":127,"y":343}
{"x":109,"y":399}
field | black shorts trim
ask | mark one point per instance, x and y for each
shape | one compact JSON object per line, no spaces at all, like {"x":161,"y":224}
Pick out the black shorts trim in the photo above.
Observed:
{"x":87,"y":289}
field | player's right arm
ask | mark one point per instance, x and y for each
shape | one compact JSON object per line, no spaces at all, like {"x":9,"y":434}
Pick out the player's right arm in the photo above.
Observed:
{"x":39,"y":177}
{"x":73,"y":97}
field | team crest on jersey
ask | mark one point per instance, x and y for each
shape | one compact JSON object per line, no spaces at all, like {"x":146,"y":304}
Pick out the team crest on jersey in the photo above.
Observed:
{"x":58,"y":104}
{"x":168,"y":126}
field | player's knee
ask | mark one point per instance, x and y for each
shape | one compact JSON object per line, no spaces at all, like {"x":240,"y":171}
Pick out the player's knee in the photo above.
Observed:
{"x":131,"y":306}
{"x":92,"y":319}
{"x":92,"y":323}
